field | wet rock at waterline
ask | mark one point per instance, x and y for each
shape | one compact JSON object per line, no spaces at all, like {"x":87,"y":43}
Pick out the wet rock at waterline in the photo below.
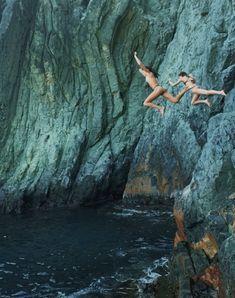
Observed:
{"x":205,"y":216}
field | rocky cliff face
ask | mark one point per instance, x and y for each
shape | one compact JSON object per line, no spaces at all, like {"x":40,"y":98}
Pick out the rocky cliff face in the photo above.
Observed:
{"x":74,"y":130}
{"x":70,"y":100}
{"x":169,"y":148}
{"x":71,"y":96}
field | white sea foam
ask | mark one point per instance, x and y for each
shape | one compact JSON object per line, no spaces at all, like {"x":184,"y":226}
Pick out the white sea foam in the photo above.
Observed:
{"x":121,"y":253}
{"x":97,"y":286}
{"x":7,"y":272}
{"x":104,"y":285}
{"x":19,"y":294}
{"x":11,"y":263}
{"x":151,"y":274}
{"x":152,"y":214}
{"x":42,"y":273}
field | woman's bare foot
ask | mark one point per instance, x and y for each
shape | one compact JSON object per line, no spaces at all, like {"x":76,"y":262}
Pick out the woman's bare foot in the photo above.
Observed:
{"x":207,"y":102}
{"x":162,"y":110}
{"x":223,"y":93}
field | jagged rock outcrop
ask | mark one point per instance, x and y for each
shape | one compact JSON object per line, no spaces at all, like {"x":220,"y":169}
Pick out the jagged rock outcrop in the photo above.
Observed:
{"x":205,"y":215}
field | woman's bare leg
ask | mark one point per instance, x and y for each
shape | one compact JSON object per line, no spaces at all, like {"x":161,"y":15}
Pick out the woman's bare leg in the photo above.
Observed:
{"x":156,"y":93}
{"x":173,"y":99}
{"x":180,"y":94}
{"x":199,"y":91}
{"x":196,"y":100}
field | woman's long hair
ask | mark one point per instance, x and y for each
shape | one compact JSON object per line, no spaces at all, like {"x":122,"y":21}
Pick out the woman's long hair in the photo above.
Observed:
{"x":153,"y":71}
{"x":192,"y":78}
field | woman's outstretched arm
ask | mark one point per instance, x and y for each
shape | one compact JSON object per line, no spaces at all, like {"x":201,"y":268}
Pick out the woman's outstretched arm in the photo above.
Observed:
{"x":141,"y":64}
{"x":174,"y":84}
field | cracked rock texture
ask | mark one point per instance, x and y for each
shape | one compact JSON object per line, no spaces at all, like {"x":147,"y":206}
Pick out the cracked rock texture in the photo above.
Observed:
{"x":71,"y":96}
{"x":205,"y":216}
{"x":74,"y":130}
{"x":71,"y":107}
{"x":169,"y":148}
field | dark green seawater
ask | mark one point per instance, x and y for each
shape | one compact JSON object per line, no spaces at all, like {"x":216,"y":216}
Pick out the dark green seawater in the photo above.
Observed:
{"x":104,"y":252}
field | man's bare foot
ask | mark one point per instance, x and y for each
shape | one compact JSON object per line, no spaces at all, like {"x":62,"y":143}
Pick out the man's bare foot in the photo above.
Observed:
{"x":207,"y":102}
{"x":223,"y":93}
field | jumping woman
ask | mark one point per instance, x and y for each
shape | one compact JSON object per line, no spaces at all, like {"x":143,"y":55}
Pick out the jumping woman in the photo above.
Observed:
{"x":151,"y":79}
{"x":190,"y":84}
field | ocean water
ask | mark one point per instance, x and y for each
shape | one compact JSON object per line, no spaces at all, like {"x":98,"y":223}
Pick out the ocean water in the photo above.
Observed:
{"x":102,"y":252}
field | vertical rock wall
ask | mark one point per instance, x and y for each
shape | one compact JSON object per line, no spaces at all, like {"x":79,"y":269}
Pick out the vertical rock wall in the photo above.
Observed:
{"x":169,"y":148}
{"x":192,"y":149}
{"x":71,"y":102}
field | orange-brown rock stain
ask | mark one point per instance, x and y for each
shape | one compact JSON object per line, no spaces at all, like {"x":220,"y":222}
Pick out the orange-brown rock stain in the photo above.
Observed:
{"x":145,"y":181}
{"x":138,"y":186}
{"x":208,"y":244}
{"x":162,"y":184}
{"x":180,"y":233}
{"x":211,"y":276}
